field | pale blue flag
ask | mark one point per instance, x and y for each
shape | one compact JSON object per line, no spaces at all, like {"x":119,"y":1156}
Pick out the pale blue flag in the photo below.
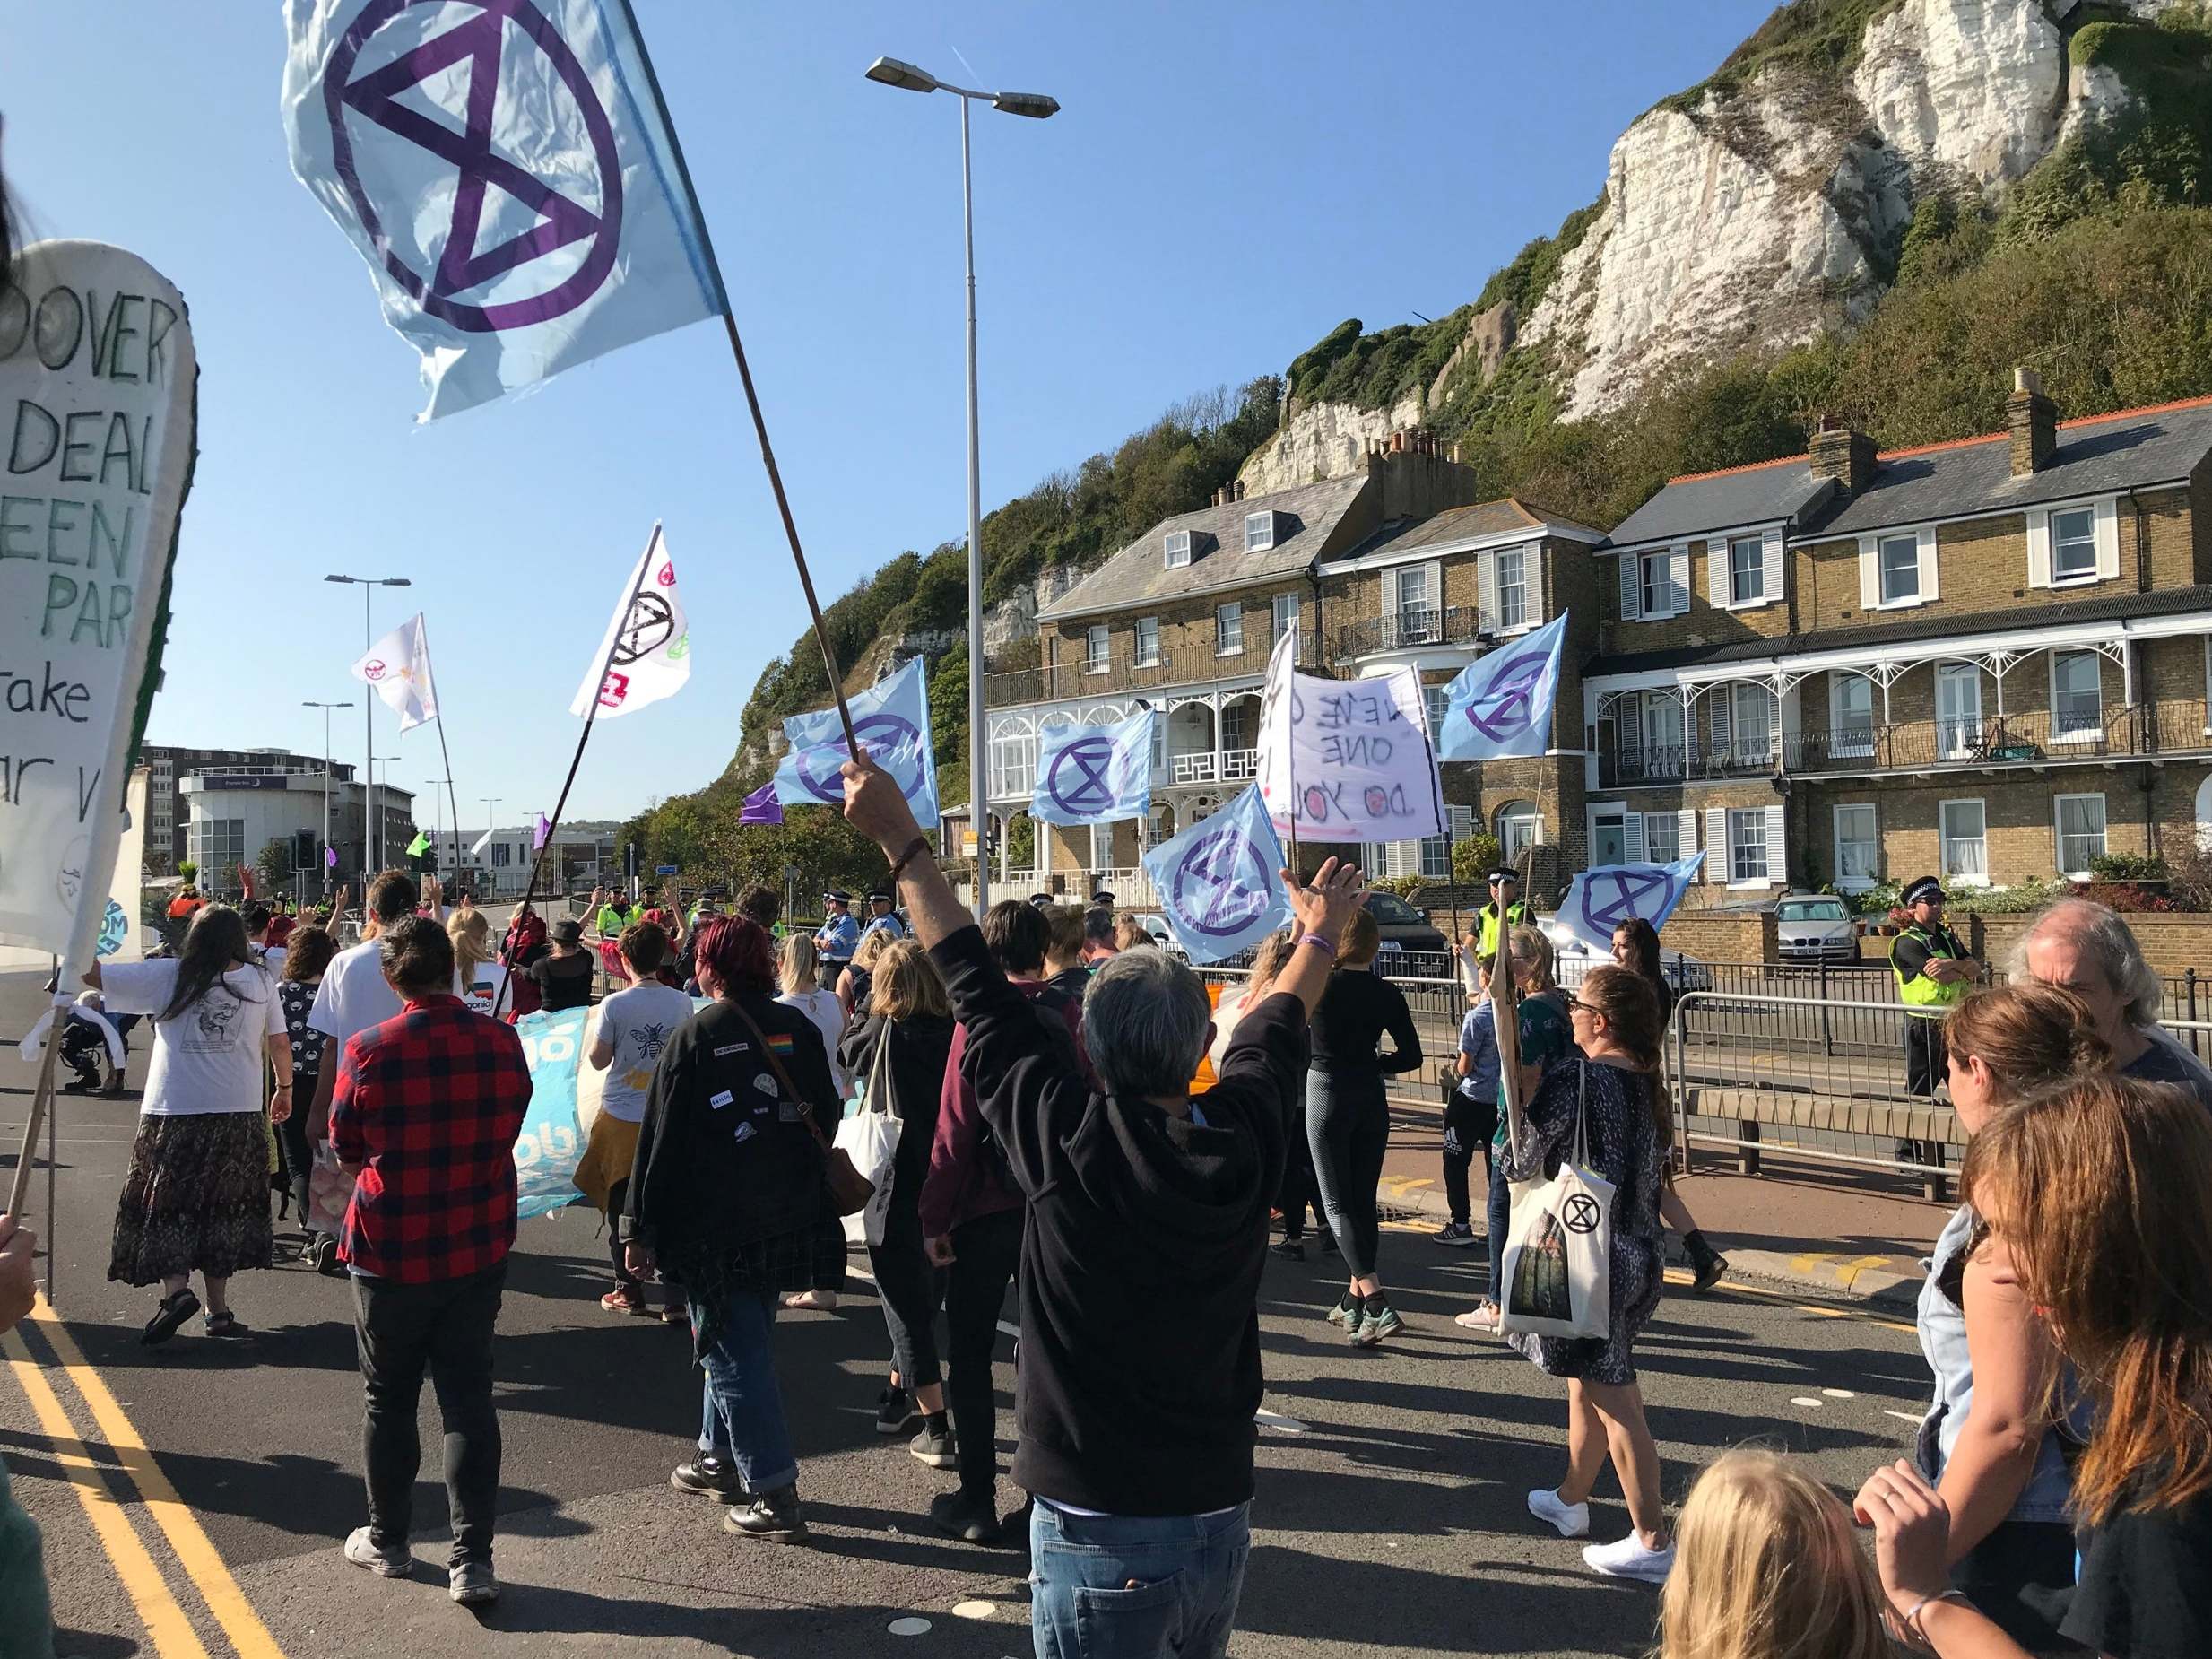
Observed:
{"x":551,"y":1142}
{"x":1220,"y":881}
{"x":507,"y":168}
{"x":891,"y":720}
{"x":1095,"y":774}
{"x":1500,"y":705}
{"x":1600,"y":901}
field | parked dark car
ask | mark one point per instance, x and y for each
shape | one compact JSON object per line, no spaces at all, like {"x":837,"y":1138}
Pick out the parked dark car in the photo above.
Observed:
{"x":1407,"y":931}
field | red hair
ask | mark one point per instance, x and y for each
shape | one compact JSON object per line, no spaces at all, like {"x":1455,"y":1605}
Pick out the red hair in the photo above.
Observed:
{"x":736,"y":950}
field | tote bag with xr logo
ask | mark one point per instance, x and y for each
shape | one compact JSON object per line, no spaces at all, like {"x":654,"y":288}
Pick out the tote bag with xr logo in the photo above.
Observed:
{"x":1559,"y":1244}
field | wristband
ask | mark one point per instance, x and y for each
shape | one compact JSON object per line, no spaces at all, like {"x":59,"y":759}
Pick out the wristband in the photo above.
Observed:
{"x":1315,"y":939}
{"x":1913,"y":1618}
{"x":915,"y":849}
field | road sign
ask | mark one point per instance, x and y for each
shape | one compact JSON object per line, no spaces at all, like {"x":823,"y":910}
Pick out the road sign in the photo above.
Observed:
{"x":665,"y":869}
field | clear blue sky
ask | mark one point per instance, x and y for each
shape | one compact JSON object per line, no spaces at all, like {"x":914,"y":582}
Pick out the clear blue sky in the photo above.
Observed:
{"x":1225,"y":183}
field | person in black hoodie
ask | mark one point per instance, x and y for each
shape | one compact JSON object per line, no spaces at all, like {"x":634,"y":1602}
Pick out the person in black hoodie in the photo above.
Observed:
{"x":898,"y":1044}
{"x":729,"y":1194}
{"x":1141,"y":1262}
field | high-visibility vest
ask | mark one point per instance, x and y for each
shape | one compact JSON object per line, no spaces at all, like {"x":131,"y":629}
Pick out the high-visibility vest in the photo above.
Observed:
{"x":1926,"y":998}
{"x":1517,"y":915}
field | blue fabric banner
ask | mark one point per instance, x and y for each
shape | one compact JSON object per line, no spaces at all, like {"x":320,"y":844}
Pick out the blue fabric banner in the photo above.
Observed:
{"x":1598,"y":900}
{"x":1220,"y":881}
{"x":1095,"y":774}
{"x":891,"y":720}
{"x":551,"y":1142}
{"x":1500,"y":706}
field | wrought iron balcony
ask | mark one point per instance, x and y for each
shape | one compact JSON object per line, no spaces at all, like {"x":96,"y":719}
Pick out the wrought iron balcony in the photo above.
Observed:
{"x":1415,"y":627}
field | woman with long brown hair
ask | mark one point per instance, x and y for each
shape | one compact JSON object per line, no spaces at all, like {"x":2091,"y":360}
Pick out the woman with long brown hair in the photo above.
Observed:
{"x":307,"y":953}
{"x":1988,"y":1441}
{"x":2096,"y":1191}
{"x":1612,"y":1101}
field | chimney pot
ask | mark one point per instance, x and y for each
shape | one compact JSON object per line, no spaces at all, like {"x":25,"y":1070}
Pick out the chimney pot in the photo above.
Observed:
{"x":1240,"y":490}
{"x":2032,"y":419}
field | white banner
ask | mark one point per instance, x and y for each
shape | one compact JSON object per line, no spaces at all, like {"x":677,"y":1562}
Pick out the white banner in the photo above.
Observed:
{"x":1346,"y":760}
{"x":398,"y":668}
{"x":97,"y":380}
{"x":647,"y":645}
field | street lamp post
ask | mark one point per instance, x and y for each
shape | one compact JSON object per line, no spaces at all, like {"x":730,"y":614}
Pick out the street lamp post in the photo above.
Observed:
{"x":387,"y":761}
{"x":326,"y":708}
{"x":907,"y":77}
{"x":490,"y":823}
{"x":368,"y":717}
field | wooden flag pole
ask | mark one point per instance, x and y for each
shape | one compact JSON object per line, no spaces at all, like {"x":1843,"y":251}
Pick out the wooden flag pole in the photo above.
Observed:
{"x":40,"y":1099}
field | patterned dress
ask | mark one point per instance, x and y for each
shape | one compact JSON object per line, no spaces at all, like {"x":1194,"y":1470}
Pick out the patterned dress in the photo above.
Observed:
{"x":1624,"y":1148}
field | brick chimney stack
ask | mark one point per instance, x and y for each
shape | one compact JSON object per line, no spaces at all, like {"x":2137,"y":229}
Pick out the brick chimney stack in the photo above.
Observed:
{"x":1840,"y":452}
{"x":2032,"y":420}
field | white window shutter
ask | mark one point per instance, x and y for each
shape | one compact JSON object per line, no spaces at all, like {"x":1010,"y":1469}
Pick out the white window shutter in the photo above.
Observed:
{"x":1678,"y":580}
{"x":1684,"y":834}
{"x":1716,"y":844}
{"x":2108,"y":540}
{"x":1723,"y":714}
{"x":1717,"y":561}
{"x":1535,"y":572}
{"x":1486,"y":575}
{"x":1869,"y":574}
{"x":2038,"y":547}
{"x":1772,"y":555}
{"x":1928,"y":589}
{"x":1631,"y":585}
{"x":1632,"y":838}
{"x":1777,"y":848}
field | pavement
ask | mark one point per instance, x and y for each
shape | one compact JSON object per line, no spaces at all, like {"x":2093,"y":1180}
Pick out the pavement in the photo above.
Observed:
{"x":194,"y":1497}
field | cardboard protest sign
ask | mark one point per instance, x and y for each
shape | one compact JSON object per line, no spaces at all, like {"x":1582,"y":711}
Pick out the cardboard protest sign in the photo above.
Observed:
{"x":97,"y":383}
{"x":1346,"y":760}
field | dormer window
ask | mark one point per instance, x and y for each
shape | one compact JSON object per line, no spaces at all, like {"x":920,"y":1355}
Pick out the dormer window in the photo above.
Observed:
{"x":1178,"y":545}
{"x":1259,"y":531}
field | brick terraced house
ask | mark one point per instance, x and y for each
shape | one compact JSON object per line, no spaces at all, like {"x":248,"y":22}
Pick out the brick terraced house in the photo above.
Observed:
{"x":1989,"y":659}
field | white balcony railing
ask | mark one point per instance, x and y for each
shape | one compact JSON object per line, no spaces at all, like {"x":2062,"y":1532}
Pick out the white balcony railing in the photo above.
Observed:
{"x":1239,"y":763}
{"x":1192,"y":768}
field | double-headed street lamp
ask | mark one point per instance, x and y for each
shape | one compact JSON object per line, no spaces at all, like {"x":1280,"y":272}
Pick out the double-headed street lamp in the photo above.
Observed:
{"x":369,"y":716}
{"x":325,"y":708}
{"x":907,"y":77}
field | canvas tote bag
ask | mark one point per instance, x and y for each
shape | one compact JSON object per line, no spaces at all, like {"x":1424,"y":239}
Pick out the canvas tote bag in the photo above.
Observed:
{"x":1558,"y":1266}
{"x":870,"y":1138}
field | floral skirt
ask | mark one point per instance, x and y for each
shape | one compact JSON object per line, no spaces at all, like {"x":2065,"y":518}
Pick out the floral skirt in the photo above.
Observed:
{"x":196,"y":1199}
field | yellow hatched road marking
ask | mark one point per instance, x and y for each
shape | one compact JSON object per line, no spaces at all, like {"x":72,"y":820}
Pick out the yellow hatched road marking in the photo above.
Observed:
{"x":165,"y":1622}
{"x":182,"y":1528}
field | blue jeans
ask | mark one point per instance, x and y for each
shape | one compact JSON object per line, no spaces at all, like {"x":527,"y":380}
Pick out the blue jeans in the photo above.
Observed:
{"x":1501,"y":1216}
{"x":1187,"y":1572}
{"x":742,"y":1418}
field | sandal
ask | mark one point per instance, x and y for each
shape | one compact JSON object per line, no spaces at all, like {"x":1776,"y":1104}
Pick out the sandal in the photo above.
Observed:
{"x":227,"y":1324}
{"x":169,"y":1317}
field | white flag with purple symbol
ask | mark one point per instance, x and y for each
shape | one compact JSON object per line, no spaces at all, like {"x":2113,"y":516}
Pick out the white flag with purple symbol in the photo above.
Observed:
{"x":507,"y":170}
{"x":891,"y":720}
{"x":1500,"y":706}
{"x":1600,"y":901}
{"x":646,"y":653}
{"x":1220,"y":881}
{"x":397,"y":668}
{"x":1095,"y":774}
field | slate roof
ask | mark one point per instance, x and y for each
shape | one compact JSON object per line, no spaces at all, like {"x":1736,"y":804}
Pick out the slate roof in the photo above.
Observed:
{"x":1139,"y":573}
{"x":2097,"y":456}
{"x":1460,"y":523}
{"x":2110,"y":608}
{"x":1703,"y":502}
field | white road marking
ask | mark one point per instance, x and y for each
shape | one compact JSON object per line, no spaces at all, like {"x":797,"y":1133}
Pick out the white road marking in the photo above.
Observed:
{"x":1839,"y":1394}
{"x":1903,"y":1417}
{"x":973,"y":1609}
{"x":1276,"y":1420}
{"x":909,"y":1627}
{"x":1805,"y":1400}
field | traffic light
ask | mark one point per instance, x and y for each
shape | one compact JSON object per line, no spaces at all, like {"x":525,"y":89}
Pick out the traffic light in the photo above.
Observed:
{"x":303,"y":849}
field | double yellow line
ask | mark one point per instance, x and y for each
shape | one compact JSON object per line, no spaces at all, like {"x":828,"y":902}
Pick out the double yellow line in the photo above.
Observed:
{"x":164,"y":1616}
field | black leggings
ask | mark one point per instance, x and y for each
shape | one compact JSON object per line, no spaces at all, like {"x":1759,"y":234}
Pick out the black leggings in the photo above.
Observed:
{"x":1348,"y":1127}
{"x":985,"y":1254}
{"x":910,"y":1290}
{"x":1298,"y":1192}
{"x":1467,"y":1123}
{"x":624,"y":1279}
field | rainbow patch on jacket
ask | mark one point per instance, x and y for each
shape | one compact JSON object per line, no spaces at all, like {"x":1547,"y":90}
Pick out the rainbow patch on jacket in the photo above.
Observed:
{"x":779,"y":1044}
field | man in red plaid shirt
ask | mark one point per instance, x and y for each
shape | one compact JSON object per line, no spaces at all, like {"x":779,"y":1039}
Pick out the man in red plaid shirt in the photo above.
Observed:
{"x":425,"y":1115}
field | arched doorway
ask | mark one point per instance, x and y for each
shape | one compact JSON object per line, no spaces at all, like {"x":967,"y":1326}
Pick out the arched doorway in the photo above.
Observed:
{"x":1518,"y":826}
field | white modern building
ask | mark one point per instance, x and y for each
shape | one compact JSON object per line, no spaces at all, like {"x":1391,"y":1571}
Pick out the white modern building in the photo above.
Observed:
{"x":584,"y":855}
{"x":232,"y":812}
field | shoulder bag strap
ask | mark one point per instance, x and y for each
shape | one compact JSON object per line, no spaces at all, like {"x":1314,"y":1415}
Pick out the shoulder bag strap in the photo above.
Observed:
{"x":881,"y":1098}
{"x":1581,"y":1113}
{"x":783,"y":1078}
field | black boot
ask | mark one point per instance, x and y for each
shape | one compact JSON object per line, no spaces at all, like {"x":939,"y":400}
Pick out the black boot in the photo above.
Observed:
{"x":773,"y":1515}
{"x":1705,"y":1263}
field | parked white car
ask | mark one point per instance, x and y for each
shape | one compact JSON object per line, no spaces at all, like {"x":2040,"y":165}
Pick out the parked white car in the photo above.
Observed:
{"x":1573,"y":956}
{"x":1155,"y":924}
{"x":1815,"y":927}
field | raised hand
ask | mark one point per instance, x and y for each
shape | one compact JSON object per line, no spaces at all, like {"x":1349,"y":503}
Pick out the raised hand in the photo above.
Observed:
{"x":875,"y":806}
{"x":1327,"y":907}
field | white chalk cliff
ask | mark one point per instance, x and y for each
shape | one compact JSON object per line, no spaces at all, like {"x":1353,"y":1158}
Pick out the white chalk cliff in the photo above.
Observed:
{"x":1760,"y":214}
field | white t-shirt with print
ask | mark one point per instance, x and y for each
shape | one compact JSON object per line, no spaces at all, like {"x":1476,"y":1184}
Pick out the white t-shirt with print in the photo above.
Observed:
{"x":828,"y":1014}
{"x":482,"y":988}
{"x":354,"y":996}
{"x":638,"y":1024}
{"x":209,"y":1057}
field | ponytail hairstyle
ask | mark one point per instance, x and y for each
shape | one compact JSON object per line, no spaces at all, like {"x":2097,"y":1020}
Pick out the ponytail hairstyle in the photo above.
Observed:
{"x":1629,"y":1005}
{"x":471,"y":936}
{"x":2028,"y":1034}
{"x":795,"y":962}
{"x":2096,"y":1188}
{"x":1362,"y":940}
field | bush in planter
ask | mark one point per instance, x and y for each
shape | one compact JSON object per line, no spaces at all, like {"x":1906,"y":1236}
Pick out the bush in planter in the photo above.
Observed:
{"x":1473,"y":859}
{"x":2126,"y":868}
{"x":2128,"y":897}
{"x":1404,"y":886}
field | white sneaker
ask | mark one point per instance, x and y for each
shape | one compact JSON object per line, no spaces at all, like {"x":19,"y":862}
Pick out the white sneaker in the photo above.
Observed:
{"x":1629,"y":1558}
{"x":1571,"y":1520}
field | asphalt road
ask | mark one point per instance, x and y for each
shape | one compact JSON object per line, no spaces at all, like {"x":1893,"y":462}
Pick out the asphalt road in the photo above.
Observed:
{"x":1389,"y":1518}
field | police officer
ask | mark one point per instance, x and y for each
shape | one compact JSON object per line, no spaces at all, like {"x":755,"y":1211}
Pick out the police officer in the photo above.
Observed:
{"x":881,"y":918}
{"x":1933,"y":973}
{"x":838,"y":938}
{"x":1505,"y":911}
{"x":1102,"y":898}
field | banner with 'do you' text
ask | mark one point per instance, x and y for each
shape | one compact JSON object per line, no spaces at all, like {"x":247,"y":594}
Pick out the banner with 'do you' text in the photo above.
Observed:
{"x":97,"y":377}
